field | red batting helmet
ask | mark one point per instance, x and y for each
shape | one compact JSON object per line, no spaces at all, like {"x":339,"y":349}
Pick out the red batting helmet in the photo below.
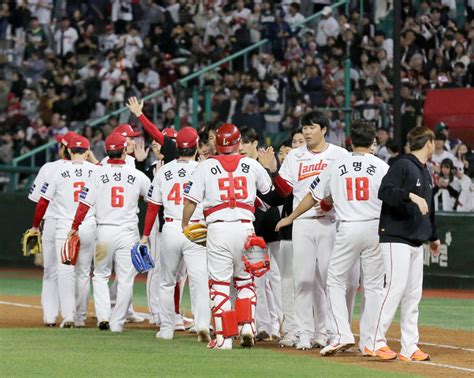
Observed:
{"x":227,"y":138}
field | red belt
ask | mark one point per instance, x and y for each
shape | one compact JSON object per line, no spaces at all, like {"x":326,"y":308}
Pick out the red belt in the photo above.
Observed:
{"x":191,"y":221}
{"x":229,"y":205}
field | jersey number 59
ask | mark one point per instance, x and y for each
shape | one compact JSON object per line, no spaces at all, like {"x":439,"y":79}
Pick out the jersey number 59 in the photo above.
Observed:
{"x":361,"y":188}
{"x":233,"y":188}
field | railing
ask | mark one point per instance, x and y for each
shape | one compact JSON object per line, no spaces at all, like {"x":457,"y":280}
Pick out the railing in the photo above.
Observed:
{"x":182,"y":83}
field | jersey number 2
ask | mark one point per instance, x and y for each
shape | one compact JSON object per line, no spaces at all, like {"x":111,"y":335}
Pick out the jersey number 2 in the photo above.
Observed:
{"x":361,"y":188}
{"x":78,"y":186}
{"x":116,"y":198}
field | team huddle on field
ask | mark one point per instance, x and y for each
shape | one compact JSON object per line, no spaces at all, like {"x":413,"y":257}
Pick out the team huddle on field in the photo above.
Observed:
{"x":283,"y":240}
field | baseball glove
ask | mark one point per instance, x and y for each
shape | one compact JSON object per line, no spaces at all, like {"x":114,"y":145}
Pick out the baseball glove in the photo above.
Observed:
{"x":141,"y":258}
{"x":70,"y":250}
{"x":197,"y":233}
{"x":31,"y":242}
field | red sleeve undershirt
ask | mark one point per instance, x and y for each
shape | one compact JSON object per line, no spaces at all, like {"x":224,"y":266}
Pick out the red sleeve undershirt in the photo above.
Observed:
{"x":81,"y":213}
{"x":151,"y":129}
{"x":281,"y":185}
{"x":151,"y":214}
{"x":41,"y":208}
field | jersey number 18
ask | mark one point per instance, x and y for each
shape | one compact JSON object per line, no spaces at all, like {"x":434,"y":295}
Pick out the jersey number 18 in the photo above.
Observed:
{"x":361,"y":188}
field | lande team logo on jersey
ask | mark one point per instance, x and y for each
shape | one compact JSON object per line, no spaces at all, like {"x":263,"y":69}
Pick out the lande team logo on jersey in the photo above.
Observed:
{"x":315,"y":183}
{"x":83,"y":194}
{"x":150,"y":191}
{"x":188,"y":187}
{"x":309,"y":170}
{"x":44,"y":188}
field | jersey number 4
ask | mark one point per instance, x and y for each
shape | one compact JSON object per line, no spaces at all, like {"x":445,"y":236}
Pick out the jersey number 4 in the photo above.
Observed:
{"x":175,"y":193}
{"x":361,"y":188}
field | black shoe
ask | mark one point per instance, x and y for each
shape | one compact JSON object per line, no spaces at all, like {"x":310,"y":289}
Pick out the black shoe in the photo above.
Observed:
{"x":50,"y":325}
{"x":104,"y":326}
{"x":263,"y":336}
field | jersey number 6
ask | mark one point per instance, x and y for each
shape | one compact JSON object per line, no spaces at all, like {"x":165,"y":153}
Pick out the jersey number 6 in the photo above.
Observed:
{"x":116,"y":198}
{"x":361,"y":188}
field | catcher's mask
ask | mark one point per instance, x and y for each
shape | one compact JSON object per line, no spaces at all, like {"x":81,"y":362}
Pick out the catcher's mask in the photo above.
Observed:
{"x":255,"y":256}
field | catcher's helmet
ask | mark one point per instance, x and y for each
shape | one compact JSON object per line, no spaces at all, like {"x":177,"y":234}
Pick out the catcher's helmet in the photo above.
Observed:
{"x":227,"y":138}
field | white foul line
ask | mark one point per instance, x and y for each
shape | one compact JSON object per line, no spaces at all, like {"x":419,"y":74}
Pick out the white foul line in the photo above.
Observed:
{"x":444,"y":366}
{"x":20,"y":304}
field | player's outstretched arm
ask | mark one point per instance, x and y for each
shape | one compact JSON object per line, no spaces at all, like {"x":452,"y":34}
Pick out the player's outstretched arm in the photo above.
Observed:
{"x":79,"y":217}
{"x":307,"y":203}
{"x":136,"y":108}
{"x":188,"y":211}
{"x":151,"y":214}
{"x":41,"y":207}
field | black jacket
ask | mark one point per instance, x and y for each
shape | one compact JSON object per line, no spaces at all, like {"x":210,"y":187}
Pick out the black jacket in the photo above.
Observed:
{"x":400,"y":219}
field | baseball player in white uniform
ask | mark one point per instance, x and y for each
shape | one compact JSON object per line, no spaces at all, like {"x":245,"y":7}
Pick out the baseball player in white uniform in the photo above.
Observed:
{"x":313,"y":232}
{"x":63,"y":186}
{"x":352,"y":182}
{"x":114,"y":192}
{"x":167,"y":191}
{"x":226,"y":185}
{"x":49,"y":290}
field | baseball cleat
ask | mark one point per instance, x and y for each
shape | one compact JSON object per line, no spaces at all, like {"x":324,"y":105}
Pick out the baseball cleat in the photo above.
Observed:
{"x":164,"y":335}
{"x":50,"y":325}
{"x":385,"y":354}
{"x":417,"y":356}
{"x":263,"y":336}
{"x":304,"y":344}
{"x":319,"y":343}
{"x":203,"y":336}
{"x":247,"y":340}
{"x":67,"y":323}
{"x":179,"y":323}
{"x":331,"y":350}
{"x":288,"y":341}
{"x":225,"y":345}
{"x":79,"y":324}
{"x":104,"y":325}
{"x":368,"y":353}
{"x":134,"y":318}
{"x":117,"y":328}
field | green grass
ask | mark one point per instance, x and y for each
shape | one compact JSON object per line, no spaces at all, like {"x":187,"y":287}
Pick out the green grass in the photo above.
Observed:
{"x":437,"y":312}
{"x":88,"y":352}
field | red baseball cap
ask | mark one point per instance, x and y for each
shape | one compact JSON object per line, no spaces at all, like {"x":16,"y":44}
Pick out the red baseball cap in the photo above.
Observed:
{"x":187,"y":137}
{"x":115,"y":142}
{"x":79,"y":141}
{"x":65,"y":139}
{"x":169,"y":132}
{"x":126,"y":130}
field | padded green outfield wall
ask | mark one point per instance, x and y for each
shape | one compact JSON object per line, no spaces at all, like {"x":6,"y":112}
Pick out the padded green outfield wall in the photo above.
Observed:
{"x":454,"y":268}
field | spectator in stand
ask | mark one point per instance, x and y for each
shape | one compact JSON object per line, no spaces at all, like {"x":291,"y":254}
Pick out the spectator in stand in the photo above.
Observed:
{"x":65,"y":38}
{"x":131,"y":43}
{"x":149,"y":78}
{"x":440,"y":154}
{"x":383,"y":139}
{"x":446,"y":190}
{"x":327,"y":27}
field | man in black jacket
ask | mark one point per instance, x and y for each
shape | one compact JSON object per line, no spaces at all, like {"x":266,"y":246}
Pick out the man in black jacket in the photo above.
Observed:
{"x":407,"y":220}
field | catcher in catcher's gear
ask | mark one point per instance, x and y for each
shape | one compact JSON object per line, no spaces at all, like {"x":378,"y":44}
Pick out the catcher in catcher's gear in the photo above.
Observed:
{"x":31,"y":242}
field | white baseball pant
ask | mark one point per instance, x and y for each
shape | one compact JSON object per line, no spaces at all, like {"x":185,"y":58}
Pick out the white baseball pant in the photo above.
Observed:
{"x":225,"y":243}
{"x":174,"y":249}
{"x":116,"y":242}
{"x":355,"y":240}
{"x":153,"y":277}
{"x":74,"y":281}
{"x":269,"y":311}
{"x":49,"y":290}
{"x":313,"y":240}
{"x":284,"y":259}
{"x":404,"y":285}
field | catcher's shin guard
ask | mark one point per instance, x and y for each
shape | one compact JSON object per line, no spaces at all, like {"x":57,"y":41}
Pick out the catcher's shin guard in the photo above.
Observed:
{"x":245,"y":304}
{"x":225,"y":318}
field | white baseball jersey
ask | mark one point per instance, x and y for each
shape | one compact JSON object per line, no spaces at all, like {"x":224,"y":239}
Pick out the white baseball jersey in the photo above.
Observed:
{"x":212,"y":186}
{"x":129,"y":160}
{"x":301,"y":166}
{"x":353,"y":182}
{"x":168,"y":186}
{"x":114,"y":191}
{"x":35,"y":190}
{"x":64,"y":185}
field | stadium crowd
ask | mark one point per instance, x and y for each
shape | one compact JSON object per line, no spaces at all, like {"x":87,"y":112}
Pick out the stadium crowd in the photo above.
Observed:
{"x":66,"y":62}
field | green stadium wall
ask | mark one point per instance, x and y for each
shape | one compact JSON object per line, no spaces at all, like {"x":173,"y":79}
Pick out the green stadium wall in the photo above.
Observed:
{"x":454,"y":268}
